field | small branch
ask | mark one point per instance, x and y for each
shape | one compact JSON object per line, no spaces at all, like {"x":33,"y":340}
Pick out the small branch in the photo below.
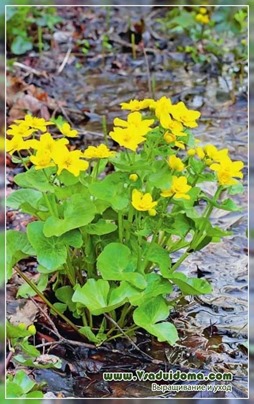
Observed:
{"x":66,"y":58}
{"x":127,"y":336}
{"x":29,"y":69}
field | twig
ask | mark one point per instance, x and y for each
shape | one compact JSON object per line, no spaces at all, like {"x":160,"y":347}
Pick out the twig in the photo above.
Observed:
{"x":129,"y":339}
{"x":45,"y":314}
{"x":29,"y":69}
{"x":148,"y":73}
{"x":66,"y":58}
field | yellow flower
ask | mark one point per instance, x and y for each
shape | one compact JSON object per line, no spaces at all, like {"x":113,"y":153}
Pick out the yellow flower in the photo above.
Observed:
{"x":200,"y":152}
{"x":69,"y":160}
{"x":152,"y":212}
{"x":227,"y":170}
{"x":162,"y":109}
{"x":182,"y":114}
{"x":178,"y":189}
{"x":2,"y":144}
{"x":171,"y":138}
{"x":35,"y":123}
{"x":203,"y":19}
{"x":142,"y":202}
{"x":191,"y":152}
{"x":135,"y":105}
{"x":175,"y":127}
{"x":175,"y":163}
{"x":17,"y":143}
{"x":139,"y":126}
{"x":213,"y":153}
{"x":126,"y":138}
{"x":67,"y":131}
{"x":21,"y":130}
{"x":133,"y":177}
{"x":202,"y":10}
{"x":48,"y":144}
{"x":42,"y":159}
{"x":99,"y":152}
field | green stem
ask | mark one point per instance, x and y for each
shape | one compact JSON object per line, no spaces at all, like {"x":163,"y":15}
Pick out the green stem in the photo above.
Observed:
{"x":127,"y":307}
{"x":23,"y":162}
{"x":125,"y":333}
{"x":120,"y":225}
{"x":49,"y":205}
{"x":70,"y":269}
{"x":178,"y":262}
{"x":46,"y":301}
{"x":198,"y":237}
{"x":40,"y":44}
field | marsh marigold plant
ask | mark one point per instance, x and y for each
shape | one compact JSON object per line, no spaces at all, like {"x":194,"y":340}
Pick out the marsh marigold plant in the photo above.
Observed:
{"x":112,"y":224}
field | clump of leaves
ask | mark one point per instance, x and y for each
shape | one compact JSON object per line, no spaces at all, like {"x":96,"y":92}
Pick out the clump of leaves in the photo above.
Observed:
{"x":22,"y":386}
{"x":20,"y":20}
{"x":113,"y":243}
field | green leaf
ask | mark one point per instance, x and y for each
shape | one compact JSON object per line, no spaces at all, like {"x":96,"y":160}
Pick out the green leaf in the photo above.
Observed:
{"x":117,"y":263}
{"x":24,"y":381}
{"x":203,"y":243}
{"x":101,"y":227}
{"x":161,"y":178}
{"x":181,"y":225}
{"x":18,"y":247}
{"x":68,"y":178}
{"x":21,"y":45}
{"x":164,"y":332}
{"x":13,"y":390}
{"x":111,"y":189}
{"x":29,"y":349}
{"x":72,"y":238}
{"x":151,"y":311}
{"x":93,"y":295}
{"x":148,"y":314}
{"x":88,"y":333}
{"x":156,"y":286}
{"x":13,"y":331}
{"x":191,"y":286}
{"x":64,"y":294}
{"x":78,"y":212}
{"x":230,"y":205}
{"x":236,"y":189}
{"x":35,"y":179}
{"x":158,"y":255}
{"x":97,"y":296}
{"x":26,"y":291}
{"x":27,"y":200}
{"x":51,"y":252}
{"x":122,"y":293}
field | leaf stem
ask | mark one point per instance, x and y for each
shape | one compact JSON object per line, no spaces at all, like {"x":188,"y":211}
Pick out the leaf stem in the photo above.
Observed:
{"x":46,"y":301}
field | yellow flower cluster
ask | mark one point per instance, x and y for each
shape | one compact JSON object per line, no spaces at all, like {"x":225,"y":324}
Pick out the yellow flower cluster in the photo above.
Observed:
{"x":50,"y":152}
{"x":132,"y":132}
{"x":220,"y":162}
{"x":202,"y":16}
{"x":172,"y":117}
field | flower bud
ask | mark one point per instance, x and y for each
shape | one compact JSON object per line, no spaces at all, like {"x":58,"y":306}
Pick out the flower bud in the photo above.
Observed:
{"x":152,"y":212}
{"x":22,"y":326}
{"x":133,"y":177}
{"x":191,"y":152}
{"x":32,"y":329}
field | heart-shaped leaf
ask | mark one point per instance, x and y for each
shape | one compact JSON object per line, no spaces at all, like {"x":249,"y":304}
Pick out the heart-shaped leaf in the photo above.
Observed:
{"x":191,"y":286}
{"x":77,"y":212}
{"x":117,"y":263}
